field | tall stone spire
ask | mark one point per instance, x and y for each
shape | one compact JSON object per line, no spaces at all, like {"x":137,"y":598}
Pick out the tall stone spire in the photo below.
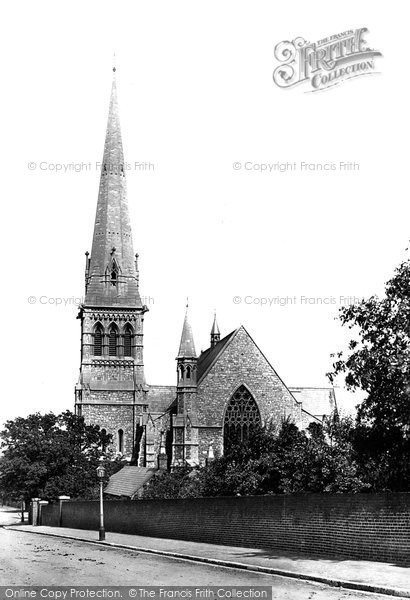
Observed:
{"x":111,"y":275}
{"x":111,"y":391}
{"x":186,"y":346}
{"x":215,"y":334}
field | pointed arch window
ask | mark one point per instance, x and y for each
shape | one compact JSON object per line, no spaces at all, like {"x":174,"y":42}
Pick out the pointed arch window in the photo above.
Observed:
{"x":113,"y":341}
{"x":120,"y":441}
{"x":181,"y":371}
{"x":128,"y":337}
{"x":112,"y":271}
{"x":188,"y":372}
{"x":103,"y":444}
{"x":241,"y":416}
{"x":98,"y":340}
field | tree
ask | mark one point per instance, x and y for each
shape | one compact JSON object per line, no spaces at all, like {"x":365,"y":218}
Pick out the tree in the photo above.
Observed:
{"x":378,"y":362}
{"x":48,"y":455}
{"x":178,"y":484}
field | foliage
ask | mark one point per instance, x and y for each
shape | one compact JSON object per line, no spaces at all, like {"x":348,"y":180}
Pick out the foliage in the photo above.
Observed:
{"x":171,"y":485}
{"x":378,"y":362}
{"x":269,"y":463}
{"x":49,"y":455}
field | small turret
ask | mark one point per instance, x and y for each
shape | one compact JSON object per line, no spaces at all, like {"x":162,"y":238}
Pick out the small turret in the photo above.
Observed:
{"x":184,"y":422}
{"x":187,"y":359}
{"x":215,"y":334}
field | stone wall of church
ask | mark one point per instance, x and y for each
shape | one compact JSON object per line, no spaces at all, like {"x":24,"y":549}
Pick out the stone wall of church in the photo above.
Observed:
{"x":155,"y":425}
{"x":242,"y":362}
{"x":207,"y":436}
{"x":109,"y":397}
{"x":112,"y":419}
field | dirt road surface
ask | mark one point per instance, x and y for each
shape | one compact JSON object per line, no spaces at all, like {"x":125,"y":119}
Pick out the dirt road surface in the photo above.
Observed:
{"x":31,"y":559}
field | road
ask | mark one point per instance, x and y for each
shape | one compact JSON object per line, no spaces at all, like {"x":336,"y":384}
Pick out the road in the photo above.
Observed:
{"x":32,"y":559}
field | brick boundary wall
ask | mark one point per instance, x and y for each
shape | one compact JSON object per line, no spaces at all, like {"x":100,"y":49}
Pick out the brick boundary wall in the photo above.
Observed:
{"x":351,"y":526}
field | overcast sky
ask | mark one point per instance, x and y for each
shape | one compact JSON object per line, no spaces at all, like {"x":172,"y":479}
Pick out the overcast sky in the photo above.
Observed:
{"x":196,"y":95}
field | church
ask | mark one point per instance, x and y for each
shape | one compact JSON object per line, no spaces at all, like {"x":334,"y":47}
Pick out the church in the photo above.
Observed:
{"x":218,"y":396}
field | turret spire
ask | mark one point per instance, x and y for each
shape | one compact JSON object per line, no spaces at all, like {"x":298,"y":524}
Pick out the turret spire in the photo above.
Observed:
{"x":112,"y":276}
{"x":187,"y":346}
{"x":185,"y":441}
{"x":215,"y":334}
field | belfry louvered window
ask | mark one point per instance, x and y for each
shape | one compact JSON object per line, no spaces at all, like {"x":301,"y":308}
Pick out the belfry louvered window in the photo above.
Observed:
{"x":98,"y":340}
{"x":114,"y":273}
{"x":112,"y":341}
{"x":241,"y":416}
{"x":128,"y":340}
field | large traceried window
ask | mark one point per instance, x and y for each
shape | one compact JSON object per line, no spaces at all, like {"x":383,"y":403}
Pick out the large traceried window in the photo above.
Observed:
{"x":241,"y":416}
{"x":98,"y":340}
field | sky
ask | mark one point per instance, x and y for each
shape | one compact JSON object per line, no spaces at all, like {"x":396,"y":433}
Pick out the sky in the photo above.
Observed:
{"x":196,"y":98}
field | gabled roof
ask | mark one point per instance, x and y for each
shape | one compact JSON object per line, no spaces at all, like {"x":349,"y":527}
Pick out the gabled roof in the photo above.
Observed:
{"x":160,"y":397}
{"x":128,"y":481}
{"x":208,"y":357}
{"x":316,"y":401}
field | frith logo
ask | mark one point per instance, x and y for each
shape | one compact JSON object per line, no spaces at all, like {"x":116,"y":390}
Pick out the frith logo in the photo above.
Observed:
{"x":326,"y":63}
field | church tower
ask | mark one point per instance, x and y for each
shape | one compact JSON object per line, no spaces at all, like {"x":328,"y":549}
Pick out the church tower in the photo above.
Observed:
{"x":185,"y":422}
{"x":111,"y":391}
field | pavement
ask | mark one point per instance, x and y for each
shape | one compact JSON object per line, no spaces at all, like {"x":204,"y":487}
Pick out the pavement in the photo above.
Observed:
{"x":368,"y":576}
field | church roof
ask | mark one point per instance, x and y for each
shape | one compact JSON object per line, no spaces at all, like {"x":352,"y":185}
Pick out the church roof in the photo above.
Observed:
{"x":316,"y":401}
{"x":208,"y":357}
{"x":112,"y":248}
{"x":187,"y":346}
{"x":160,"y":397}
{"x":128,"y":481}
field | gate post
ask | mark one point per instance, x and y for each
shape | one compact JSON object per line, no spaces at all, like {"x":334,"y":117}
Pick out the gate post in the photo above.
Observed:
{"x":33,"y":514}
{"x":61,"y":500}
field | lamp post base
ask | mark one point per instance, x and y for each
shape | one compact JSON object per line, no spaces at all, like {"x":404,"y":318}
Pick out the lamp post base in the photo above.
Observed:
{"x":101,"y":534}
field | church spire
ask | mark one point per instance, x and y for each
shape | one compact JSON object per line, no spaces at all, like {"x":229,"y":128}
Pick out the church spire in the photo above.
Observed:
{"x":111,"y":276}
{"x":186,"y":346}
{"x":215,"y":334}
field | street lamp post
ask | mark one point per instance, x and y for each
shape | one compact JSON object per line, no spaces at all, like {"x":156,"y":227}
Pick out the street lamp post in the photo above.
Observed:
{"x":101,"y":475}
